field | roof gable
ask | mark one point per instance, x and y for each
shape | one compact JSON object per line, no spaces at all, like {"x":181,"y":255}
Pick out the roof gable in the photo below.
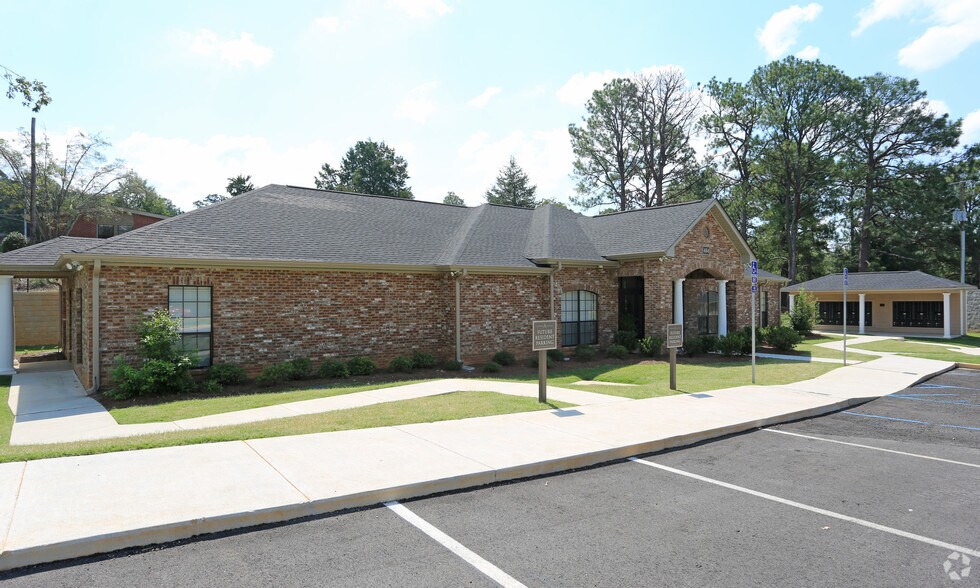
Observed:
{"x":880,"y":281}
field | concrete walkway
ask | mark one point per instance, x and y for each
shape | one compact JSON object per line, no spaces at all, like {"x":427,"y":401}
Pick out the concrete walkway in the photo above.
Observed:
{"x":55,"y":509}
{"x":50,"y":406}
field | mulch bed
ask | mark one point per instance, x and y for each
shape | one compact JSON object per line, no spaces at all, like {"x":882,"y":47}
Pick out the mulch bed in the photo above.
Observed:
{"x":34,"y":357}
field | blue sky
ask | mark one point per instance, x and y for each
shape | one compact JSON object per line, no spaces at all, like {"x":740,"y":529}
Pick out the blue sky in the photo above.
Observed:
{"x":190,"y":93}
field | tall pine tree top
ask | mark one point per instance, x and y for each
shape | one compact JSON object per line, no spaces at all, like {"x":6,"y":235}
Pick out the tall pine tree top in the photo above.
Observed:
{"x":512,"y":187}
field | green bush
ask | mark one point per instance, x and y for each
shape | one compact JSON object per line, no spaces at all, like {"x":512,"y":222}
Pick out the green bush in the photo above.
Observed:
{"x":626,"y":339}
{"x":585,"y":353}
{"x":782,"y":338}
{"x":804,"y":314}
{"x":227,"y":374}
{"x":210,"y":386}
{"x":700,"y":345}
{"x":423,"y":361}
{"x":401,"y":363}
{"x":452,"y":365}
{"x":333,"y":368}
{"x":361,"y":366}
{"x":550,"y":363}
{"x":299,"y":368}
{"x":504,"y":358}
{"x":617,"y":351}
{"x":164,"y":369}
{"x":492,"y":367}
{"x":556,"y":355}
{"x":650,"y":345}
{"x":12,"y":241}
{"x":275,"y":374}
{"x":734,"y":343}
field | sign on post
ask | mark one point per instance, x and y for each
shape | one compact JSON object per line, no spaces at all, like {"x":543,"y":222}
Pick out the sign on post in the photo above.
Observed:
{"x":845,"y":316}
{"x":755,"y":288}
{"x":544,"y":336}
{"x":675,"y":339}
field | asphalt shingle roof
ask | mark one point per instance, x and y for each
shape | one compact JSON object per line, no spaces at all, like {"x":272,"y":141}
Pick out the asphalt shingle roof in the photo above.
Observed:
{"x":870,"y":281}
{"x":47,"y":252}
{"x":286,"y":223}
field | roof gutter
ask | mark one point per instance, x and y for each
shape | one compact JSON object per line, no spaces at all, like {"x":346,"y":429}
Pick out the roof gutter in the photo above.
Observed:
{"x":96,"y":355}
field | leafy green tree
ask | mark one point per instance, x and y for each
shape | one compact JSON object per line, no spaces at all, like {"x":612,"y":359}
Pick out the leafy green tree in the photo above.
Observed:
{"x":453,"y":198}
{"x":209,"y":200}
{"x":553,"y":202}
{"x":512,"y":187}
{"x":135,"y":192}
{"x":13,"y":241}
{"x":32,"y":93}
{"x":607,"y":156}
{"x":368,"y":167}
{"x":239,"y":185}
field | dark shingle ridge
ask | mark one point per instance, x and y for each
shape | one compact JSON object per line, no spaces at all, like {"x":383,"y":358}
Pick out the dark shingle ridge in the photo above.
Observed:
{"x":649,"y":208}
{"x":455,"y":246}
{"x":370,"y":195}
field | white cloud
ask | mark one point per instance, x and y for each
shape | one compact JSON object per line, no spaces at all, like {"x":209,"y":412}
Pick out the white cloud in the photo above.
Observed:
{"x":205,"y":166}
{"x":808,"y":53}
{"x":234,"y":51}
{"x":578,"y":89}
{"x":418,"y":104}
{"x":330,"y":24}
{"x":421,"y":9}
{"x":781,"y":30}
{"x":484,"y":98}
{"x":971,"y":128}
{"x":955,"y":27}
{"x":936,"y":106}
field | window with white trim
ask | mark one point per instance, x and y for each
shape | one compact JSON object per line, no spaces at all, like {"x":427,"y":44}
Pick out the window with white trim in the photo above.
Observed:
{"x":192,"y":305}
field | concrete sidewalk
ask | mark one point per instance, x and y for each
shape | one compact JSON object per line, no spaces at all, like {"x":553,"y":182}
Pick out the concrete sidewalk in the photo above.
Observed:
{"x":55,"y":509}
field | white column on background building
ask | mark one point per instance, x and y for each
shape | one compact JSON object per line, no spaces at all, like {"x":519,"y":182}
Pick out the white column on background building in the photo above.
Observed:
{"x":861,"y":313}
{"x":679,"y":301}
{"x":722,"y":308}
{"x":7,"y":325}
{"x":792,"y":302}
{"x":946,"y":317}
{"x":963,"y":299}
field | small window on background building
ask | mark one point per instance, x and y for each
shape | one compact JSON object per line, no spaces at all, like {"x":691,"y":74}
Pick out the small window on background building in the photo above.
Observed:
{"x":120,"y":229}
{"x":578,"y":318}
{"x":192,"y":305}
{"x":106,"y":231}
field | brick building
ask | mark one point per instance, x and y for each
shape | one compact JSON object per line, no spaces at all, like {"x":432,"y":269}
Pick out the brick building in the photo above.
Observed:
{"x":116,"y":222}
{"x":284,"y":272}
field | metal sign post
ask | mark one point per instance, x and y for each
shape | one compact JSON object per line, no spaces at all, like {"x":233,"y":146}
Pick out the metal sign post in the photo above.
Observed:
{"x":755,"y":288}
{"x":675,"y":339}
{"x":845,"y":315}
{"x":544,"y":336}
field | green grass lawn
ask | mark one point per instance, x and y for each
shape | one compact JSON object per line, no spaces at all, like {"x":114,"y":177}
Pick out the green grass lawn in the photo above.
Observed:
{"x":914,"y":349}
{"x":968,"y":340}
{"x":652,"y":379}
{"x":6,"y":416}
{"x":455,"y":405}
{"x":808,"y":347}
{"x":36,"y":349}
{"x":191,"y":407}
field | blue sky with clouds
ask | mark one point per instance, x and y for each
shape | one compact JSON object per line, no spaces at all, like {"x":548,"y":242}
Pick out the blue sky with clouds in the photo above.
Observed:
{"x":190,"y":93}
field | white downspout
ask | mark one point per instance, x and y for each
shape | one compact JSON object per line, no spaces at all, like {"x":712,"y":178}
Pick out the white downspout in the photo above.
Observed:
{"x":96,"y":355}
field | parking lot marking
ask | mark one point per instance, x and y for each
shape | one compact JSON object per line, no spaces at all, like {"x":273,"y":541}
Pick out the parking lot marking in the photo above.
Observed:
{"x":888,"y":418}
{"x":962,"y":463}
{"x":800,"y":505}
{"x":491,"y":571}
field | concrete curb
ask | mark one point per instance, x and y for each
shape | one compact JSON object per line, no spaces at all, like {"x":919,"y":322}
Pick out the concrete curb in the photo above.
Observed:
{"x":105,"y":543}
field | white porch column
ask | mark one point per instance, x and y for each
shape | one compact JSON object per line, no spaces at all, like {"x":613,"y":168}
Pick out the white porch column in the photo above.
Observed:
{"x":7,"y":325}
{"x":946,"y":317}
{"x":679,"y":301}
{"x":792,"y":302}
{"x":963,"y":301}
{"x":861,"y":313}
{"x":722,"y":308}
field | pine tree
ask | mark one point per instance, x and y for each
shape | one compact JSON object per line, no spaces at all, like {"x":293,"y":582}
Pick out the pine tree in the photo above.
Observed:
{"x":512,"y":187}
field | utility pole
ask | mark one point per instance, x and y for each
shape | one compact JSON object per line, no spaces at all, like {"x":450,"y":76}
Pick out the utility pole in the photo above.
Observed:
{"x":33,"y":236}
{"x":963,"y":234}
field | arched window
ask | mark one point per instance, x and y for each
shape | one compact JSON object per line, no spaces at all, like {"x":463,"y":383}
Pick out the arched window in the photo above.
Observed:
{"x":708,"y":313}
{"x":578,"y":318}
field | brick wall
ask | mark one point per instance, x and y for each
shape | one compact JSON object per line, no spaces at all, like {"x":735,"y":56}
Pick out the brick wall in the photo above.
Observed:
{"x":37,"y":317}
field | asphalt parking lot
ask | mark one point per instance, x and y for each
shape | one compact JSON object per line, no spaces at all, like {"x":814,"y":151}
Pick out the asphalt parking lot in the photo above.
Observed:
{"x":883,"y":494}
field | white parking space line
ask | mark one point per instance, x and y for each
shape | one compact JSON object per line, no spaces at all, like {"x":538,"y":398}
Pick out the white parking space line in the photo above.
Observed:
{"x":962,"y":463}
{"x":490,"y":570}
{"x":829,"y":513}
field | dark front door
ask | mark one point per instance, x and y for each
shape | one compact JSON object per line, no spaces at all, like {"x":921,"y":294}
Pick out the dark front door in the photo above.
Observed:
{"x":631,"y":304}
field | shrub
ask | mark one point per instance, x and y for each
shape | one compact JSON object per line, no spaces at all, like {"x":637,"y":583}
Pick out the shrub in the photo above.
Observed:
{"x":804,"y":313}
{"x":401,"y":363}
{"x":733,"y":343}
{"x":585,"y":353}
{"x":617,"y":351}
{"x":452,"y":365}
{"x":13,"y":241}
{"x":299,"y":368}
{"x":504,"y":358}
{"x":650,"y":346}
{"x":782,"y":338}
{"x":700,"y":345}
{"x":626,"y":339}
{"x":210,"y":386}
{"x":492,"y":367}
{"x":227,"y":374}
{"x":332,"y":368}
{"x":556,"y":355}
{"x":423,"y":361}
{"x":548,"y":361}
{"x":165,"y":368}
{"x":275,"y":374}
{"x":361,"y":366}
